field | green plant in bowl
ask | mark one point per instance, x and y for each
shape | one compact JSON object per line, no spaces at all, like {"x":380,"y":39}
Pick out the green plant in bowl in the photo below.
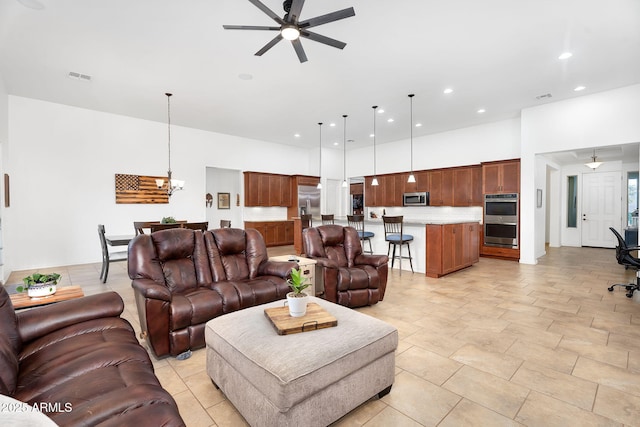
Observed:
{"x":38,"y":279}
{"x":168,"y":220}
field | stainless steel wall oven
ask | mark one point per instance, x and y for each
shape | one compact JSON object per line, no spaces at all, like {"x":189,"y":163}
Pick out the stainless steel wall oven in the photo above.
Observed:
{"x":501,"y":215}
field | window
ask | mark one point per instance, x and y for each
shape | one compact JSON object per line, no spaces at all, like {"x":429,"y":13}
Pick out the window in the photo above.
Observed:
{"x":572,"y":201}
{"x":632,"y":199}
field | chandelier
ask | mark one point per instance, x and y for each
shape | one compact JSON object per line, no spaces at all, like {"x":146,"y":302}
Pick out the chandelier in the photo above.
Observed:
{"x":173,"y":185}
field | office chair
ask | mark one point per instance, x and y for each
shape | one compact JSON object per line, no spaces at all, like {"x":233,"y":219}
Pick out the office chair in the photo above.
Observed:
{"x":627,"y":260}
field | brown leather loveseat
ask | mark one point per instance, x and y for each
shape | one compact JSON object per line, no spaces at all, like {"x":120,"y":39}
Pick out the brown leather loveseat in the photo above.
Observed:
{"x":184,"y":278}
{"x":350,"y":278}
{"x":79,"y":363}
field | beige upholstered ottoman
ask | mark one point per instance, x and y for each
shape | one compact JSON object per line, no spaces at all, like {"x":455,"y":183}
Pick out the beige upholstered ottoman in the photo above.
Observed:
{"x":305,"y":379}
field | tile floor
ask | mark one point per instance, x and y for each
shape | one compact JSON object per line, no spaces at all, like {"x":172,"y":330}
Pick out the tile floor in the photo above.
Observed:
{"x":499,"y":343}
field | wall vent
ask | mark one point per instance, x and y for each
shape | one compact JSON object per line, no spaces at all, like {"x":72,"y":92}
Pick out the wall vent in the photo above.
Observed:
{"x":546,"y":95}
{"x":79,"y":76}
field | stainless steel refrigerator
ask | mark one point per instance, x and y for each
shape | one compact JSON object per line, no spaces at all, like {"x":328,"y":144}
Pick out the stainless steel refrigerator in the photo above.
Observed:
{"x":309,"y":200}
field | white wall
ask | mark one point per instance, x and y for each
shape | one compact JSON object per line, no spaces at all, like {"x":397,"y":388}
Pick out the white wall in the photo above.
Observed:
{"x":63,"y":162}
{"x":4,"y":146}
{"x":460,"y":147}
{"x":598,"y":120}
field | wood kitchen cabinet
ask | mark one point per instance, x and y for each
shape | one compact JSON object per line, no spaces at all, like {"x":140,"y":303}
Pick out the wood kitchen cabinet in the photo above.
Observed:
{"x":441,"y":187}
{"x":501,"y":177}
{"x":467,"y":185}
{"x":275,"y":233}
{"x":264,"y":189}
{"x":451,"y":247}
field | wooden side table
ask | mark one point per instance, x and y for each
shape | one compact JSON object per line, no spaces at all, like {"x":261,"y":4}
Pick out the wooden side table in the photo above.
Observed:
{"x":22,"y":300}
{"x":308,"y":267}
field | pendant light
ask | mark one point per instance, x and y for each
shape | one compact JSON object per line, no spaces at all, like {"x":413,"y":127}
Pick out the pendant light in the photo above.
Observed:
{"x":412,"y":178}
{"x":593,"y":164}
{"x":374,"y":181}
{"x":173,"y":185}
{"x":320,"y":165}
{"x":344,"y":153}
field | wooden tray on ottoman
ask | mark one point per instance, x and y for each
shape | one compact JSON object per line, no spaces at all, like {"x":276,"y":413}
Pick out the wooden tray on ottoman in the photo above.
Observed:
{"x":316,"y":318}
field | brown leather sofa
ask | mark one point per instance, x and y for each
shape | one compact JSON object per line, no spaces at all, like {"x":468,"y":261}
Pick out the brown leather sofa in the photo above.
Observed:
{"x":79,"y":363}
{"x":350,"y":278}
{"x":184,"y":278}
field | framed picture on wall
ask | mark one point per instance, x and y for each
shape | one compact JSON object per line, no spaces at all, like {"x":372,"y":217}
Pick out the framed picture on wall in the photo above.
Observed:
{"x":224,"y":201}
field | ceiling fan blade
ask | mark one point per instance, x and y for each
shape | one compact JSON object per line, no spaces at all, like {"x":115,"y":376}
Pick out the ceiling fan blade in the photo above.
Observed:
{"x":329,"y":17}
{"x":269,"y":45}
{"x":269,"y":12}
{"x":249,"y":27}
{"x":294,"y":12}
{"x":322,"y":39}
{"x":299,"y":50}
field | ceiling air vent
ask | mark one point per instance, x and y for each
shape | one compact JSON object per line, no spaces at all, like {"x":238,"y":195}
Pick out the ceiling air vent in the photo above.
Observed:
{"x":79,"y":76}
{"x":546,"y":95}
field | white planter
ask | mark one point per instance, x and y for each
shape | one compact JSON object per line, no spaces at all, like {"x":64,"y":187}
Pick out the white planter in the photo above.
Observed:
{"x":41,"y":290}
{"x":297,"y":305}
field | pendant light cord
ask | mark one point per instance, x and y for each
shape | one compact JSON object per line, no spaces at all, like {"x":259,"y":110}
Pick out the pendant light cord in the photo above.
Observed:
{"x":320,"y":142}
{"x":344,"y":149}
{"x":169,"y":128}
{"x":411,"y":128}
{"x":374,"y":140}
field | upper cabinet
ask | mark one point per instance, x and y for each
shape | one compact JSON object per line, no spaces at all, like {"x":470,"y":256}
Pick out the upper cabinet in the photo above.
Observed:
{"x":501,"y":177}
{"x":264,"y":189}
{"x":467,"y":182}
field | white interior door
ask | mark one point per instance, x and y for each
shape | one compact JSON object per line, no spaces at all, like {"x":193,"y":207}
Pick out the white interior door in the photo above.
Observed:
{"x":601,"y":208}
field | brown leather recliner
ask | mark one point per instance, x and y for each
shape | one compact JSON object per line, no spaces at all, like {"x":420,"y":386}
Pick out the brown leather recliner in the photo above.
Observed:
{"x":350,"y":278}
{"x":184,"y":278}
{"x":81,"y":364}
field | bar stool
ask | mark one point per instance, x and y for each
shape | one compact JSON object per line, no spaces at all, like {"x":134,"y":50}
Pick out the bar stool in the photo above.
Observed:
{"x":394,"y":235}
{"x":357,"y":222}
{"x":327,"y":219}
{"x":307,"y":221}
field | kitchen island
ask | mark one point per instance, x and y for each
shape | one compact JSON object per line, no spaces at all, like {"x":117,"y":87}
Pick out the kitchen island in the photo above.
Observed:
{"x":439,"y":247}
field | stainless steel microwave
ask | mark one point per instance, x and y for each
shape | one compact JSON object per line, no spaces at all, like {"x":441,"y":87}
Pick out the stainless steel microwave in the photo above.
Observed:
{"x":415,"y":199}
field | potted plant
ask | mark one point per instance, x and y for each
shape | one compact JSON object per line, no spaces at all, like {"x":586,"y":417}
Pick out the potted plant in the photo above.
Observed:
{"x":168,"y":220}
{"x":40,"y":285}
{"x":297,"y":299}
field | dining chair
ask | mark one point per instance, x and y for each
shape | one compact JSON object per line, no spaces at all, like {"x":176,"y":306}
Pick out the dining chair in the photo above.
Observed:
{"x":306,"y":220}
{"x":203,"y":226}
{"x":139,"y":226}
{"x":225,"y":223}
{"x":108,"y":257}
{"x":327,"y":219}
{"x":394,"y":235}
{"x":158,"y":227}
{"x":357,"y":222}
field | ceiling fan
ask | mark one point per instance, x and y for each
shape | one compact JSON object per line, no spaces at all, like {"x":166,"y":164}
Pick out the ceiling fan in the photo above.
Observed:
{"x":291,"y":28}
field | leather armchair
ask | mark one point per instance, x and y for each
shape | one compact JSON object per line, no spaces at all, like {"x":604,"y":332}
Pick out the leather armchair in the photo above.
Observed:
{"x":83,"y":360}
{"x":183,"y":278}
{"x":350,"y":278}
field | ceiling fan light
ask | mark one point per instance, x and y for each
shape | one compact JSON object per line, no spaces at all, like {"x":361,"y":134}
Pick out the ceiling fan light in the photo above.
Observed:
{"x":290,"y":32}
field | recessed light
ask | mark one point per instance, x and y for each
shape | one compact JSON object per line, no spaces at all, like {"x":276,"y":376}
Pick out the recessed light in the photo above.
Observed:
{"x":245,"y":76}
{"x":381,"y":111}
{"x":390,"y":120}
{"x":371,"y":135}
{"x":336,"y":143}
{"x":579,"y":88}
{"x":482,"y":110}
{"x":332,"y":124}
{"x":565,"y":55}
{"x":297,"y":135}
{"x":448,"y":90}
{"x":418,"y":125}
